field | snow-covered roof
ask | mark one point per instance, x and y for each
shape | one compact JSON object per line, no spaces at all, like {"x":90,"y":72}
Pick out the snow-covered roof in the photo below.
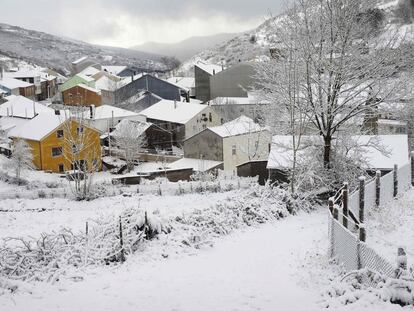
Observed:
{"x":109,"y":83}
{"x":8,"y":123}
{"x":209,"y":68}
{"x":115,"y":70}
{"x":392,"y":122}
{"x":239,"y":126}
{"x":139,"y":126}
{"x":251,"y":99}
{"x":84,"y":86}
{"x":39,"y":127}
{"x":171,"y":111}
{"x":20,"y":74}
{"x":12,"y":83}
{"x":107,"y":112}
{"x":186,"y":82}
{"x":198,"y":165}
{"x":22,"y":107}
{"x":396,"y":147}
{"x":85,"y":77}
{"x":80,"y":60}
{"x":90,"y":71}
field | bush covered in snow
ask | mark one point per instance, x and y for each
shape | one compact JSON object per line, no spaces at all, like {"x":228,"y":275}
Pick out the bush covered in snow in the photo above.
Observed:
{"x":367,"y":287}
{"x":110,"y":240}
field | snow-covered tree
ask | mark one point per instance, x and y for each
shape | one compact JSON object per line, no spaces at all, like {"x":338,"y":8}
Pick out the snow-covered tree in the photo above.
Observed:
{"x":332,"y":63}
{"x":82,"y":149}
{"x":130,"y":137}
{"x":341,"y":59}
{"x":22,"y":157}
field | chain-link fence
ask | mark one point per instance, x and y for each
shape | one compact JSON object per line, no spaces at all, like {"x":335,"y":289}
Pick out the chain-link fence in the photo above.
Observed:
{"x":347,"y":233}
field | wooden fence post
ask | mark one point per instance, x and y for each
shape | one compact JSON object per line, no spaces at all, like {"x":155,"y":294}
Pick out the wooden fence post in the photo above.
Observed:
{"x":377,"y":188}
{"x":395,"y":176}
{"x":345,"y":205}
{"x":361,"y":199}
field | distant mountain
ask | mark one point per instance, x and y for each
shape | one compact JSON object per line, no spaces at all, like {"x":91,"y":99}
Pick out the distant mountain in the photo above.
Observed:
{"x":58,"y":53}
{"x":185,"y":49}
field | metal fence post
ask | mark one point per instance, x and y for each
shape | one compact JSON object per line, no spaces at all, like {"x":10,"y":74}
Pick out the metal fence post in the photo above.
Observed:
{"x":402,"y":258}
{"x":331,"y":205}
{"x":361,"y":199}
{"x":345,"y":205}
{"x":335,"y":213}
{"x":377,"y":188}
{"x":412,"y":168}
{"x":395,"y":177}
{"x":362,"y":233}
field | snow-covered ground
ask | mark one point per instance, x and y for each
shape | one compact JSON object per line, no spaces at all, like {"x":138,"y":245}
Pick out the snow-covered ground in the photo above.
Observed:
{"x":264,"y":268}
{"x":24,"y":217}
{"x":392,"y":226}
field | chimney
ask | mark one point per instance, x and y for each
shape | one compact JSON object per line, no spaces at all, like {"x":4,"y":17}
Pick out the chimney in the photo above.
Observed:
{"x":34,"y":109}
{"x":8,"y":112}
{"x":132,"y":78}
{"x":175,"y":104}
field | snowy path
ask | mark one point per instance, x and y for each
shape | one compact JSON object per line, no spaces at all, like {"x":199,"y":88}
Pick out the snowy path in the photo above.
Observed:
{"x":265,"y":268}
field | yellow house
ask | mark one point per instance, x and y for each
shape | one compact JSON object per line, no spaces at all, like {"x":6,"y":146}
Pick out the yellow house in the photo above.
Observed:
{"x":59,"y":143}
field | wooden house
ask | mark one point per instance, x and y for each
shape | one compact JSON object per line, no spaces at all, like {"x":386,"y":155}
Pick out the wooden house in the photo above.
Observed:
{"x":83,"y":95}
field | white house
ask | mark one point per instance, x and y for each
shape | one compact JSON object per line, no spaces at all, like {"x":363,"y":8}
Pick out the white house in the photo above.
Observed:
{"x":181,"y":118}
{"x":233,"y":143}
{"x":106,"y":117}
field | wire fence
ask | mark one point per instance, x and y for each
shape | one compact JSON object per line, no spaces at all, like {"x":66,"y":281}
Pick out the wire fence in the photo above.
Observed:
{"x":347,"y":234}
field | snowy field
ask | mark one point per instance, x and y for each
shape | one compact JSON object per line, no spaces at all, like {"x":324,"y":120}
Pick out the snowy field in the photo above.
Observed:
{"x":267,"y":262}
{"x":263,"y":268}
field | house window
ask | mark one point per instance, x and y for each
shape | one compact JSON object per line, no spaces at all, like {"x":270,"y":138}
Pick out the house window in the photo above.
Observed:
{"x":57,"y":151}
{"x":75,"y":148}
{"x":233,"y":150}
{"x":61,"y":168}
{"x":210,"y":117}
{"x":59,"y":133}
{"x":204,"y":126}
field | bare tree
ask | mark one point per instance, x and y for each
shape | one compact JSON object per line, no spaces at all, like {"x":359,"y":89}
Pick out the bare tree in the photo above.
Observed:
{"x":343,"y":61}
{"x":130,"y":137}
{"x":22,"y":157}
{"x":82,"y":150}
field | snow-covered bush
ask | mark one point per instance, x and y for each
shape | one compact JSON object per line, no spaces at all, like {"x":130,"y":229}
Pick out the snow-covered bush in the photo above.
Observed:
{"x":366,"y":286}
{"x":110,"y":240}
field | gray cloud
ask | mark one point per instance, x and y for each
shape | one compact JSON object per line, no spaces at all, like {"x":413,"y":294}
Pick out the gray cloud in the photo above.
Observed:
{"x":129,"y":22}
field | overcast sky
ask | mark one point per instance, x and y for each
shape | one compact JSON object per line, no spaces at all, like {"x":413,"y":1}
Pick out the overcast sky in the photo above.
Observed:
{"x":129,"y":22}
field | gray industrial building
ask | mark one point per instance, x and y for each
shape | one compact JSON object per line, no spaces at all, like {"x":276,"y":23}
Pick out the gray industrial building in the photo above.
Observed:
{"x":235,"y":81}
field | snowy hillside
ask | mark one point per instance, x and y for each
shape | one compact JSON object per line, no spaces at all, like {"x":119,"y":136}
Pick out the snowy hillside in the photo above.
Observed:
{"x":51,"y":51}
{"x":255,"y":44}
